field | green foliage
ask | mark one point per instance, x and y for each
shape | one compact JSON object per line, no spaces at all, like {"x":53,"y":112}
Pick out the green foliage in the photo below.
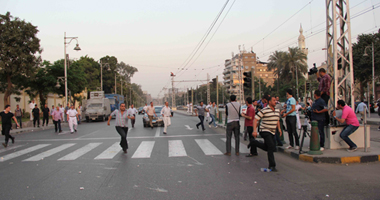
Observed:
{"x":18,"y":48}
{"x":109,"y":72}
{"x":91,"y":72}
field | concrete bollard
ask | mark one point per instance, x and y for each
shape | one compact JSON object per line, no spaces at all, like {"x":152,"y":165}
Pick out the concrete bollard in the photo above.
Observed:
{"x":314,"y":140}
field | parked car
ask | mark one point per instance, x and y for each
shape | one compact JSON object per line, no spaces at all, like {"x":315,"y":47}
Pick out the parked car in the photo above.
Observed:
{"x":141,"y":110}
{"x":157,"y":121}
{"x":221,"y":105}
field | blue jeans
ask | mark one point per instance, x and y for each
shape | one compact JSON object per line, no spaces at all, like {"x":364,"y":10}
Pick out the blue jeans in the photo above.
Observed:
{"x":213,"y":120}
{"x":347,"y":131}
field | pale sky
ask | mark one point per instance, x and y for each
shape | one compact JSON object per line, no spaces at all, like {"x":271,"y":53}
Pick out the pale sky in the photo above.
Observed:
{"x":158,"y":36}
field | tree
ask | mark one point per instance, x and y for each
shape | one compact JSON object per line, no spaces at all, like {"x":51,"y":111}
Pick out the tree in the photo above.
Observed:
{"x":18,"y":48}
{"x":91,"y":72}
{"x":294,"y":60}
{"x":363,"y":64}
{"x":276,"y":63}
{"x":109,"y":72}
{"x":126,"y":71}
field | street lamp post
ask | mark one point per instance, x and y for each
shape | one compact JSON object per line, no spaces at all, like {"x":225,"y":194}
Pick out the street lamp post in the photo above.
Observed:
{"x":77,"y":48}
{"x":101,"y":74}
{"x":373,"y":68}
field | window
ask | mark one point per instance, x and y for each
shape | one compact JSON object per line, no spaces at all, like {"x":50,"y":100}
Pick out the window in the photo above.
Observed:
{"x":246,"y":67}
{"x":266,"y":74}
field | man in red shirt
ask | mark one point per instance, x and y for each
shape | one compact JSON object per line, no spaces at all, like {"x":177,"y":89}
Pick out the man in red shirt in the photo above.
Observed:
{"x":249,"y":116}
{"x":348,"y":116}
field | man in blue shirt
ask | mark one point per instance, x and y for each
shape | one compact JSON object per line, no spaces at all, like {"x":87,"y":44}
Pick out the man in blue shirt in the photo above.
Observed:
{"x":318,"y":110}
{"x":291,"y":119}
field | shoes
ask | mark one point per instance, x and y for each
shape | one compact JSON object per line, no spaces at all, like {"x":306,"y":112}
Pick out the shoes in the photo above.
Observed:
{"x":60,"y":131}
{"x":289,"y":147}
{"x":197,"y":126}
{"x":13,"y":140}
{"x":5,"y":145}
{"x":72,"y":132}
{"x":75,"y":130}
{"x":279,"y":145}
{"x":249,"y":146}
{"x":125,"y":151}
{"x":152,"y":127}
{"x":297,"y":147}
{"x":38,"y":126}
{"x":322,"y":149}
{"x":237,"y":154}
{"x":378,"y":129}
{"x":251,"y":155}
{"x":203,"y":129}
{"x":215,"y":127}
{"x":227,"y":154}
{"x":352,"y":149}
{"x":273,"y":169}
{"x":165,"y":133}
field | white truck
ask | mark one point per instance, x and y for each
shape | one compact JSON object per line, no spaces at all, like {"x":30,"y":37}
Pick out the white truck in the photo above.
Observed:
{"x":97,"y":107}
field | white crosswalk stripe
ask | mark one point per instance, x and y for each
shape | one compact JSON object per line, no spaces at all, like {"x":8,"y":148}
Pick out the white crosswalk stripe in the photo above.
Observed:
{"x":207,"y":147}
{"x":80,"y":152}
{"x":10,"y":148}
{"x":176,"y":148}
{"x":144,"y":150}
{"x":110,"y":152}
{"x":23,"y":152}
{"x":50,"y":152}
{"x":242,"y":148}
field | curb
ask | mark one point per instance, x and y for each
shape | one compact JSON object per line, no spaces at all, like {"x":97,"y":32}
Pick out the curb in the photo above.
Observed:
{"x":331,"y":160}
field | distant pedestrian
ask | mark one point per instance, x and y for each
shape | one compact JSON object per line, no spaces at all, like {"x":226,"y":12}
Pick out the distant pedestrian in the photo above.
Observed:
{"x":188,"y":108}
{"x":52,"y":110}
{"x":79,"y":110}
{"x":348,"y":116}
{"x":45,"y":115}
{"x":362,"y":109}
{"x":291,"y":120}
{"x":269,"y":117}
{"x":298,"y":108}
{"x":66,"y":109}
{"x":318,"y":110}
{"x":200,"y":112}
{"x":166,"y":114}
{"x":36,"y":116}
{"x":62,"y":109}
{"x":150,"y":112}
{"x":132,"y":112}
{"x":208,"y":113}
{"x":6,"y":120}
{"x":233,"y":125}
{"x":18,"y":114}
{"x":213,"y":112}
{"x":121,"y":125}
{"x":248,"y":123}
{"x":309,"y":101}
{"x":72,"y":117}
{"x":31,"y":107}
{"x":324,"y":87}
{"x":277,"y":138}
{"x":145,"y":108}
{"x":57,"y":117}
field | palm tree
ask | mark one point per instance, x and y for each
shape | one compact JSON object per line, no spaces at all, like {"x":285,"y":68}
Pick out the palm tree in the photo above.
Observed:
{"x":295,"y":61}
{"x":276,"y":64}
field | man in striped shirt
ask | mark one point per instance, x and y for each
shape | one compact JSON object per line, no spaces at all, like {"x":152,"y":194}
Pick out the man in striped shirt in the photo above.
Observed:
{"x":269,"y":117}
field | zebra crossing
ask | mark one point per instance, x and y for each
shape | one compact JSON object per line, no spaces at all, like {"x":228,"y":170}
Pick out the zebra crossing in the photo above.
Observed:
{"x":176,"y":148}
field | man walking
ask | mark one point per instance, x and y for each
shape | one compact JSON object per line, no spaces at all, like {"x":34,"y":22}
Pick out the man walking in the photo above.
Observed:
{"x":318,"y":110}
{"x":45,"y":115}
{"x":31,"y":107}
{"x":324,"y":87}
{"x":248,"y":123}
{"x":200,"y":112}
{"x":63,"y":113}
{"x":213,"y":112}
{"x":18,"y":114}
{"x":208,"y":112}
{"x":362,"y":109}
{"x":36,"y":116}
{"x":269,"y":117}
{"x":79,"y":110}
{"x":150,"y":112}
{"x":233,"y":125}
{"x":132,"y":112}
{"x":52,"y":110}
{"x":72,"y":117}
{"x":145,"y":108}
{"x":348,"y":116}
{"x":166,"y":114}
{"x":6,"y":120}
{"x":121,"y":125}
{"x":291,"y":119}
{"x":57,"y":116}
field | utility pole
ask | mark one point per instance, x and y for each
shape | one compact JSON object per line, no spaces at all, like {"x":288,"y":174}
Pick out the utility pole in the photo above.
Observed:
{"x":253,"y":82}
{"x":217,"y":92}
{"x":208,"y":89}
{"x":115,"y":84}
{"x":192,"y":101}
{"x":173,"y":94}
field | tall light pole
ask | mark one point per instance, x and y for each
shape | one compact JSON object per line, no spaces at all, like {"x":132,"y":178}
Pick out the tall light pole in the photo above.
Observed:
{"x":373,"y":69}
{"x":101,"y":74}
{"x":65,"y":56}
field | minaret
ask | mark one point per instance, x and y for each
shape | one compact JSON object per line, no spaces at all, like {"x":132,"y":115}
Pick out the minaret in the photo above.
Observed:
{"x":301,"y":42}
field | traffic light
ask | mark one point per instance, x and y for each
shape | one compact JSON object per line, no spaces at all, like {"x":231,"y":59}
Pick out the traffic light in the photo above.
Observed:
{"x":214,"y":82}
{"x":307,"y":86}
{"x":247,"y":79}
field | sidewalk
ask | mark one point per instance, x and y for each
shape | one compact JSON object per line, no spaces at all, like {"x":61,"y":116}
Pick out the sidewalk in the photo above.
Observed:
{"x":28,"y":127}
{"x":341,"y":156}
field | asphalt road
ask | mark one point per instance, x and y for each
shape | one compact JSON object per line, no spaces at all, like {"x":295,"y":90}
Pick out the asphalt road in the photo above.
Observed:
{"x":184,"y":164}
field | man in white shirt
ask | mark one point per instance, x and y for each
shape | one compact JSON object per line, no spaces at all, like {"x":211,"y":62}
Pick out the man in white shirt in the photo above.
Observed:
{"x":31,"y":107}
{"x":166,"y":114}
{"x":132,"y":112}
{"x":208,"y":113}
{"x":145,"y":108}
{"x":298,"y":107}
{"x":188,"y":108}
{"x":150,"y":111}
{"x":72,"y":117}
{"x":362,"y":109}
{"x":62,"y":109}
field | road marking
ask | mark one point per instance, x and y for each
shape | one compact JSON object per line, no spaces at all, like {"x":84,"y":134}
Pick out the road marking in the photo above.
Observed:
{"x":158,"y":132}
{"x":110,"y":152}
{"x":22,"y":152}
{"x":50,"y":152}
{"x":242,"y":146}
{"x":80,"y":152}
{"x":207,"y":147}
{"x":10,"y":148}
{"x":176,"y":148}
{"x":144,"y":150}
{"x":188,"y":127}
{"x":64,"y":132}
